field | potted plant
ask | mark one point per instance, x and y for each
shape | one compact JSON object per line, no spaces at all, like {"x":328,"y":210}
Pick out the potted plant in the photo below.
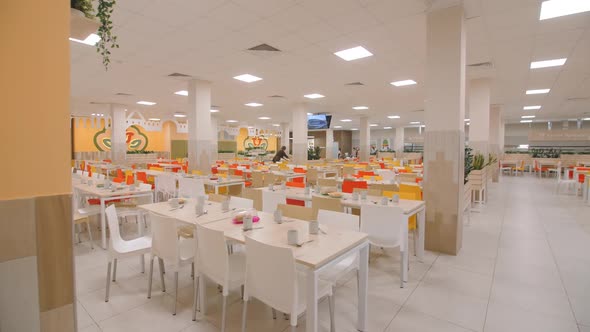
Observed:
{"x":84,"y":22}
{"x":477,"y":175}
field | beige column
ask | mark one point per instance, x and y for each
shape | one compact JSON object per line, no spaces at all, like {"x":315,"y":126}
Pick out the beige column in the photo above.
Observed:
{"x":494,"y":146}
{"x":398,"y":142}
{"x":36,"y":240}
{"x":285,"y":141}
{"x":364,"y":139}
{"x":214,"y":138}
{"x":118,"y":136}
{"x":330,"y":153}
{"x":479,"y":115}
{"x":200,"y":145}
{"x":444,"y":139}
{"x":299,"y":155}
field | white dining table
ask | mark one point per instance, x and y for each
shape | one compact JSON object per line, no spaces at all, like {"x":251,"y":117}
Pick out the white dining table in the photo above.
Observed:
{"x":323,"y":251}
{"x":121,"y":192}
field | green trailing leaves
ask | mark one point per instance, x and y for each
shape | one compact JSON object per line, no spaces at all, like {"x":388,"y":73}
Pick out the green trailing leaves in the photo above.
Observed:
{"x":107,"y":40}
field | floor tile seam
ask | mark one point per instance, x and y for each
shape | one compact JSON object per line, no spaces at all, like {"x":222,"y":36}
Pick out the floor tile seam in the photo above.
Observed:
{"x":126,"y":311}
{"x":89,"y":315}
{"x":553,"y":316}
{"x":555,"y":261}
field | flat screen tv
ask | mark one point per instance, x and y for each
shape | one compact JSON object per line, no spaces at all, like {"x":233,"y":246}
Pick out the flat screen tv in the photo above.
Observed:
{"x":318,"y":121}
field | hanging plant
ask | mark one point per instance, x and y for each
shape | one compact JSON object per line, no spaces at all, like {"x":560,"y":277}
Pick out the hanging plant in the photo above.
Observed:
{"x":85,"y":6}
{"x":107,"y":39}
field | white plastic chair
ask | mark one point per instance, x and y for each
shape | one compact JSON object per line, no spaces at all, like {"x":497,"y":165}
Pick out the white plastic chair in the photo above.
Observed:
{"x":556,"y":170}
{"x":387,"y":227}
{"x":272,"y":277}
{"x":134,"y":211}
{"x":240,"y":203}
{"x":344,"y":221}
{"x":165,"y":187}
{"x":569,"y":179}
{"x":215,"y":263}
{"x":168,"y":247}
{"x":270,"y":200}
{"x":120,"y":248}
{"x":190,"y":188}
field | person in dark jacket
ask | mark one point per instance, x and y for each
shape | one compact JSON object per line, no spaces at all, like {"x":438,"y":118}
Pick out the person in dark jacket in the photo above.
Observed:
{"x":280,"y":155}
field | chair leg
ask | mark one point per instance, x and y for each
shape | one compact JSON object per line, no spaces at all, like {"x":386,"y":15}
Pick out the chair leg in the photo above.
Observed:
{"x":244,"y":313}
{"x":274,"y":313}
{"x":332,"y":304}
{"x":193,"y":270}
{"x":115,"y":270}
{"x":161,"y":261}
{"x":90,"y":234}
{"x":106,"y":296}
{"x":175,"y":291}
{"x":77,"y":227}
{"x":242,"y":292}
{"x":150,"y":277}
{"x":195,"y":297}
{"x":142,"y":263}
{"x":402,"y":267}
{"x":223,"y":313}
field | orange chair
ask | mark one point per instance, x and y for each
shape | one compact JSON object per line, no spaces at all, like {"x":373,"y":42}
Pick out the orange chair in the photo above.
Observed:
{"x":142,"y":176}
{"x":296,"y":184}
{"x":119,"y":180}
{"x":120,"y":173}
{"x":363,"y":173}
{"x":299,"y":170}
{"x":299,"y":180}
{"x":348,"y":186}
{"x":107,"y":160}
{"x":89,"y":169}
{"x":297,"y":202}
{"x":214,"y":170}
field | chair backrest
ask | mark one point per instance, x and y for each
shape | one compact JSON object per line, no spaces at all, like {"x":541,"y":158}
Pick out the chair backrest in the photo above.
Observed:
{"x":385,"y":225}
{"x":296,"y":184}
{"x":188,"y":187}
{"x":240,"y":203}
{"x":348,"y":186}
{"x":216,"y":198}
{"x":142,"y":176}
{"x":166,"y":184}
{"x":145,"y":186}
{"x":271,"y":276}
{"x":213,"y":256}
{"x":327,"y":182}
{"x":325,"y":203}
{"x":117,"y":243}
{"x":339,"y":220}
{"x":257,"y":179}
{"x":164,"y":238}
{"x":409,"y":188}
{"x":297,"y":212}
{"x":255,"y":195}
{"x":269,"y":178}
{"x":270,"y":200}
{"x":312,"y":175}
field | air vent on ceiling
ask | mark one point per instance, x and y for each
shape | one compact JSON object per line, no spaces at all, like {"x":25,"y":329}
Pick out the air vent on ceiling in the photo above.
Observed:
{"x":123,"y":94}
{"x":179,"y":75}
{"x":417,"y":111}
{"x":578,"y":98}
{"x":276,"y":96}
{"x":481,"y":65}
{"x":355,"y":83}
{"x":264,"y":47}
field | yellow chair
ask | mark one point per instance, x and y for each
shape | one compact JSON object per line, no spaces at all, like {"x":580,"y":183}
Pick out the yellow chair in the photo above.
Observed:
{"x":405,"y":195}
{"x":159,"y":169}
{"x":409,"y":188}
{"x":373,"y":177}
{"x":196,"y":172}
{"x":396,"y":163}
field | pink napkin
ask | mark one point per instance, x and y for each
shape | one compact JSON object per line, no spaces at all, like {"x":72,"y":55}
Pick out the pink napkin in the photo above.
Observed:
{"x":254,"y":219}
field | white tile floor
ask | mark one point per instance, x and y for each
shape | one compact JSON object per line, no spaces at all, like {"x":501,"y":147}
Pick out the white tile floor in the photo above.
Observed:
{"x":524,"y":266}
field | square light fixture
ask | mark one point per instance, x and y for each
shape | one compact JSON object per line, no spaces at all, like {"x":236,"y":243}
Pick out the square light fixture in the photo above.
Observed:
{"x":415,"y":122}
{"x":147,"y":103}
{"x":548,"y":63}
{"x":346,"y":120}
{"x":231,"y":121}
{"x":528,"y":108}
{"x":526,"y":121}
{"x":314,"y":96}
{"x":179,"y":115}
{"x":528,"y":116}
{"x":523,"y":146}
{"x":354,"y":129}
{"x":276,"y":125}
{"x":309,"y":113}
{"x":467,"y":120}
{"x":354,"y":53}
{"x":213,"y":110}
{"x":537,"y":91}
{"x":253,"y":104}
{"x":181,"y":93}
{"x":337,"y":127}
{"x":403,"y":83}
{"x":373,"y":125}
{"x":586,"y":119}
{"x":359,"y":108}
{"x":154,"y":119}
{"x":91,"y":40}
{"x":557,"y":8}
{"x":263,"y":118}
{"x":387,"y":127}
{"x":247,"y":78}
{"x":393,"y":117}
{"x":468,"y":123}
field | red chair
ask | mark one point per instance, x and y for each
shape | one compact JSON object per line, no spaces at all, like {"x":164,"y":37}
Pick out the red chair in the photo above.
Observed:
{"x":348,"y":186}
{"x":107,"y":160}
{"x":299,"y":180}
{"x":120,"y":174}
{"x":175,"y":170}
{"x":291,"y":201}
{"x":119,"y":179}
{"x":299,"y":170}
{"x":129,"y":180}
{"x":214,"y":170}
{"x":382,"y":165}
{"x":142,"y":176}
{"x":89,"y":169}
{"x":363,"y":173}
{"x":295,"y":184}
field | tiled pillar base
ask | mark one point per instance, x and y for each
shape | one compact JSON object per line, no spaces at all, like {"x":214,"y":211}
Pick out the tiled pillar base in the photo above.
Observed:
{"x":443,"y":190}
{"x":36,"y":264}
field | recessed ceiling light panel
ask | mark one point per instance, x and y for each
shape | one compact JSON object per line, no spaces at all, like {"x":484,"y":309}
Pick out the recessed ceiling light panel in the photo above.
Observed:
{"x":247,"y":78}
{"x":360,"y":108}
{"x":154,"y":119}
{"x":393,"y":117}
{"x":214,"y":110}
{"x":373,"y":125}
{"x":526,"y":121}
{"x":337,"y":127}
{"x":253,"y":104}
{"x":537,"y":91}
{"x":528,"y":108}
{"x":314,"y":96}
{"x":528,"y":116}
{"x":354,"y":53}
{"x":181,"y":93}
{"x":387,"y":127}
{"x":346,"y":120}
{"x":403,"y":83}
{"x":263,"y":118}
{"x":231,"y":121}
{"x":146,"y":103}
{"x":415,"y":122}
{"x":91,"y":40}
{"x":548,"y":63}
{"x":180,"y":115}
{"x":557,"y":8}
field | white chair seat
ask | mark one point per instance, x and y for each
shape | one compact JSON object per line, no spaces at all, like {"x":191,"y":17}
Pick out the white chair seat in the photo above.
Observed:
{"x":138,"y":246}
{"x":335,"y":272}
{"x":90,"y":210}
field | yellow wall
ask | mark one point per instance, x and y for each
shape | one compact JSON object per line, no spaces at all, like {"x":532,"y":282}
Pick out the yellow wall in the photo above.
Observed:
{"x":272,"y":141}
{"x":35,"y":94}
{"x":157,"y":140}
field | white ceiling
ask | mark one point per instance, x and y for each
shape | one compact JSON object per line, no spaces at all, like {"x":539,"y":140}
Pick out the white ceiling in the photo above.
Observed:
{"x":207,"y":39}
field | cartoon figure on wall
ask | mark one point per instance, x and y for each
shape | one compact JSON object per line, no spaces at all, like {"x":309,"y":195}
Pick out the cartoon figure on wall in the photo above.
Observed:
{"x":136,"y":140}
{"x":255,"y":142}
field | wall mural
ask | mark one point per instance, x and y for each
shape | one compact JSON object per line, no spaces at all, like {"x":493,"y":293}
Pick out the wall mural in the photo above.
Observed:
{"x":136,"y":140}
{"x":256,"y":142}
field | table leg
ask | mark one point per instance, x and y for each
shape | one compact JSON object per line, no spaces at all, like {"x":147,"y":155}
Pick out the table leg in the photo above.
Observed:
{"x":216,"y":189}
{"x":103,"y":228}
{"x":311,"y":315}
{"x":363,"y":288}
{"x":421,"y":233}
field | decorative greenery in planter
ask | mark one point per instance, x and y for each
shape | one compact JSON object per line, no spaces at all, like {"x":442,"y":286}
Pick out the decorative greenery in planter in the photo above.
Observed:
{"x":491,"y":159}
{"x":468,"y":163}
{"x":104,"y":11}
{"x":140,"y":152}
{"x":545,"y":153}
{"x":313,"y":153}
{"x":478,"y":162}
